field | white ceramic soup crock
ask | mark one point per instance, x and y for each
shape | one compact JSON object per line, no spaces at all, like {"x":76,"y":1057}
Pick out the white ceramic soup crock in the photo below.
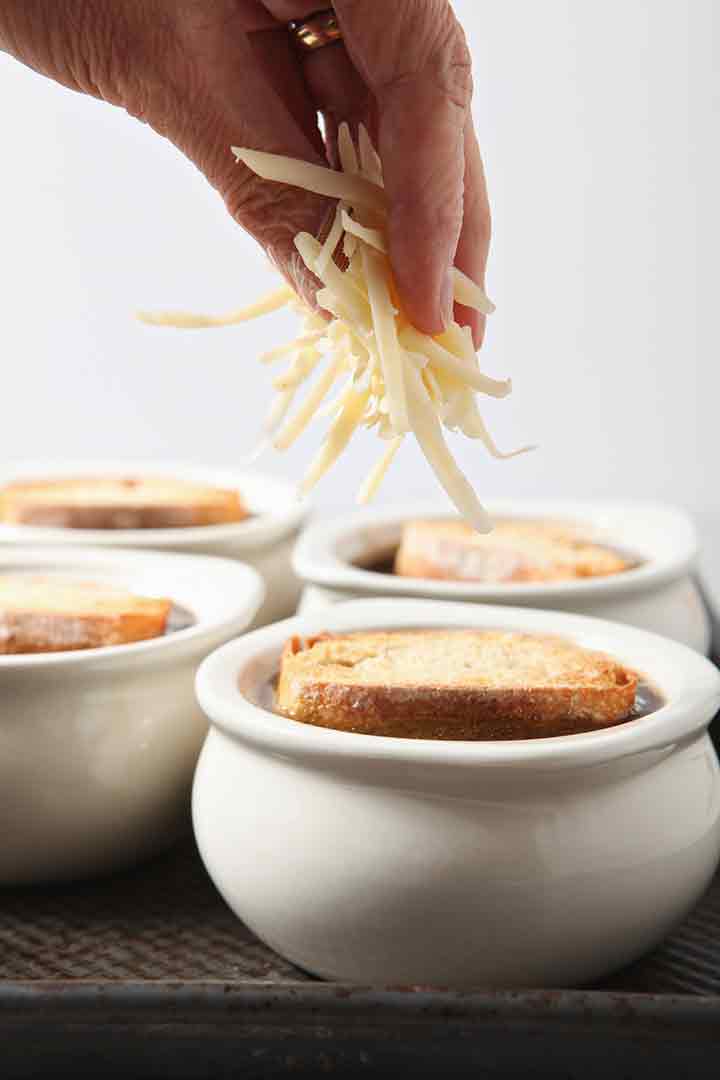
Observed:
{"x":658,"y":595}
{"x":265,"y":540}
{"x":98,"y":746}
{"x":543,"y":862}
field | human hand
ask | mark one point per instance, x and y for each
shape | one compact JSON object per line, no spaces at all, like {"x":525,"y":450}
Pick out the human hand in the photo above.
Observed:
{"x":210,"y":73}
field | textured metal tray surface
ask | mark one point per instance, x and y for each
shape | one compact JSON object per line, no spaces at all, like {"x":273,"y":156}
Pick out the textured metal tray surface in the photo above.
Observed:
{"x":167,"y":922}
{"x":150,"y":974}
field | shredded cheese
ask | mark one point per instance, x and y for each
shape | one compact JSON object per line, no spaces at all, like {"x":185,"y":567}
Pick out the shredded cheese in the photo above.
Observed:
{"x":372,"y":237}
{"x":383,"y":316}
{"x":331,"y":241}
{"x":376,"y":475}
{"x":428,"y":432}
{"x":467,"y":292}
{"x":279,"y":351}
{"x":346,"y":150}
{"x":339,"y":436}
{"x":353,"y":188}
{"x":295,"y":427}
{"x":186,"y":321}
{"x":397,"y":379}
{"x":455,"y":365}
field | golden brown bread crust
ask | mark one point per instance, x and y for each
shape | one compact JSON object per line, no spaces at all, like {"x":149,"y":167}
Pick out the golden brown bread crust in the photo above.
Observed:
{"x":33,"y":633}
{"x":514,"y":552}
{"x":76,"y":620}
{"x":118,"y":503}
{"x":581,"y":690}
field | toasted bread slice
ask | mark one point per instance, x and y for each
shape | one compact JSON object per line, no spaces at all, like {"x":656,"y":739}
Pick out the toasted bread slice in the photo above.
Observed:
{"x":52,"y":615}
{"x":452,"y":684}
{"x":515,"y":551}
{"x":116,"y":502}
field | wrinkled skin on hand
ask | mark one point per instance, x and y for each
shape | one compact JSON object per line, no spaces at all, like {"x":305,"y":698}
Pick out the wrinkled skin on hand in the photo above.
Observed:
{"x":210,"y":73}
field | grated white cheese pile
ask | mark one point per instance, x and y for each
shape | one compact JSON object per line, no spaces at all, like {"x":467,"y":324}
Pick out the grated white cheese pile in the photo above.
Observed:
{"x":396,"y":379}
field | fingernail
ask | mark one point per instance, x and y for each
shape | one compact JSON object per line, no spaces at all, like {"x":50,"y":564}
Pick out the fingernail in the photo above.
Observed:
{"x":446,"y":300}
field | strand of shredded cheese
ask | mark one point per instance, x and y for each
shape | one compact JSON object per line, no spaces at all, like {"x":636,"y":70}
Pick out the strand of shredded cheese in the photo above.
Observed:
{"x":332,"y":240}
{"x":397,"y":378}
{"x":469,"y":293}
{"x":346,"y":150}
{"x":383,"y":316}
{"x":353,"y":188}
{"x":279,"y":351}
{"x":338,"y":437}
{"x":428,"y":433}
{"x":295,"y":427}
{"x":412,"y":339}
{"x":185,"y":321}
{"x":375,"y":477}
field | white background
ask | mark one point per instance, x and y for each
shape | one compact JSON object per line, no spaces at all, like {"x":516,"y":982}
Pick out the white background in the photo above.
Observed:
{"x":598,"y":124}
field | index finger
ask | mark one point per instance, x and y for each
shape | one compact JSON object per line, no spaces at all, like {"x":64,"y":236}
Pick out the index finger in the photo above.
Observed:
{"x":414,"y":58}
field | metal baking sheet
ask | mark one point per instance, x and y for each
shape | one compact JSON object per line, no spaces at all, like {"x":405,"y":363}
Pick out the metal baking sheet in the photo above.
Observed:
{"x":149,"y":974}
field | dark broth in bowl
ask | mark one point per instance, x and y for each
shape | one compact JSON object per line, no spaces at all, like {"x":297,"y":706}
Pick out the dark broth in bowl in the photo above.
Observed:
{"x":180,"y":618}
{"x":381,"y":559}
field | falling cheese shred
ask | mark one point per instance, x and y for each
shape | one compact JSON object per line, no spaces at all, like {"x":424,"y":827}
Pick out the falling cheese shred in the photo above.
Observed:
{"x":397,"y":379}
{"x":186,"y":321}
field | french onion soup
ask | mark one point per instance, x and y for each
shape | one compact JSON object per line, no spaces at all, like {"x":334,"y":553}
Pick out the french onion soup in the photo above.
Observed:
{"x":516,"y":551}
{"x":119,"y":502}
{"x":455,"y":684}
{"x":50,"y":614}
